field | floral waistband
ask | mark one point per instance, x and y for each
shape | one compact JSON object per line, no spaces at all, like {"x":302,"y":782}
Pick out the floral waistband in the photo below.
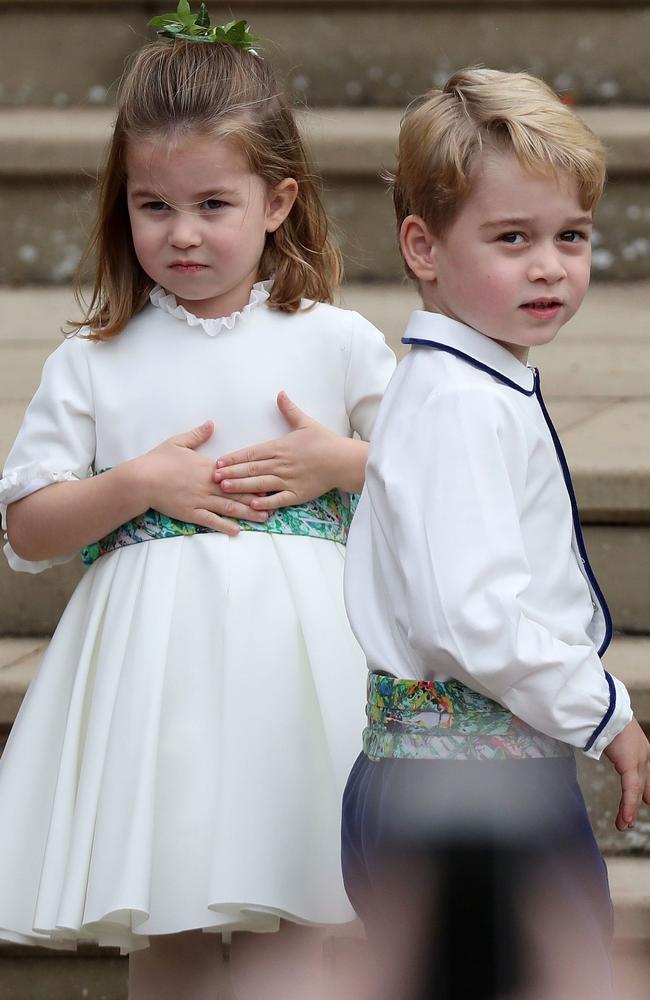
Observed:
{"x":327,"y":517}
{"x":440,"y":720}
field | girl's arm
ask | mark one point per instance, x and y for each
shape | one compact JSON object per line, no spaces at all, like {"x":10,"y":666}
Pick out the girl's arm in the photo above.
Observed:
{"x":299,"y":466}
{"x":172,"y":478}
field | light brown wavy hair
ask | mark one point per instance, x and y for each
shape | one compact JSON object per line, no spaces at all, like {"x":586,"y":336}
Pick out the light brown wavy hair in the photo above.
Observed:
{"x":183,"y":88}
{"x":444,"y":134}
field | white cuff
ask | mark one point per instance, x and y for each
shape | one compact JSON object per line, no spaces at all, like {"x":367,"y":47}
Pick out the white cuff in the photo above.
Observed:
{"x":620,"y":714}
{"x":15,"y":485}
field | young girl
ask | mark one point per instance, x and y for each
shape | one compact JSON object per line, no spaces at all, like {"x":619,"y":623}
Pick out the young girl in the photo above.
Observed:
{"x":178,"y":762}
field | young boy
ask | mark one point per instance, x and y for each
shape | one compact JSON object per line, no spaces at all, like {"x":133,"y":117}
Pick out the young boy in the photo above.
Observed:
{"x":467,"y":580}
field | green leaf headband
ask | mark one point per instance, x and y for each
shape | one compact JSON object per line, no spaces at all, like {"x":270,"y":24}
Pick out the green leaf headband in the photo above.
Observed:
{"x":197,"y":28}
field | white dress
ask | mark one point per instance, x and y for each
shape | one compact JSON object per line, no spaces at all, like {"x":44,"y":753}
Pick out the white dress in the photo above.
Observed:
{"x":179,"y":759}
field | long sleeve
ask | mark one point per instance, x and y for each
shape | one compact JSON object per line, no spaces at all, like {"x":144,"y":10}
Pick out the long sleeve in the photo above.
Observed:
{"x":56,"y":441}
{"x":453,"y":494}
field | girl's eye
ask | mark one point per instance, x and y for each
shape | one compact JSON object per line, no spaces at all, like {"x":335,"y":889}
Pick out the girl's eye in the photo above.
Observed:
{"x":155,"y":206}
{"x":512,"y":239}
{"x":213,"y":203}
{"x":572,"y":236}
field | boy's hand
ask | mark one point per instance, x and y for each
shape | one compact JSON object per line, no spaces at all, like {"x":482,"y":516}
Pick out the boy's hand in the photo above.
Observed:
{"x":629,"y":752}
{"x":300,"y":466}
{"x":178,"y":482}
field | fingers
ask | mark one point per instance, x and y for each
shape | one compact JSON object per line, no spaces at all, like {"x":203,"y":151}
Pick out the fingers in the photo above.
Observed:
{"x":295,"y":417}
{"x":246,"y":456}
{"x":197,"y":436}
{"x":633,"y":790}
{"x":256,"y":484}
{"x":282,"y":499}
{"x":244,"y":470}
{"x":228,"y":507}
{"x":215,"y":523}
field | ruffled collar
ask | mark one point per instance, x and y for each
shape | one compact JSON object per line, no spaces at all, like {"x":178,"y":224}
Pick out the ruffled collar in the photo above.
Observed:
{"x":167,"y":302}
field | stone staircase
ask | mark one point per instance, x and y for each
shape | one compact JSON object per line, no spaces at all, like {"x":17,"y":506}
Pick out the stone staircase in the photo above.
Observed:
{"x":356,"y":64}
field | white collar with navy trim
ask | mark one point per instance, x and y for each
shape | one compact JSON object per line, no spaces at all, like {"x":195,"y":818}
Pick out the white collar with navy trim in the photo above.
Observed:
{"x":437,"y":330}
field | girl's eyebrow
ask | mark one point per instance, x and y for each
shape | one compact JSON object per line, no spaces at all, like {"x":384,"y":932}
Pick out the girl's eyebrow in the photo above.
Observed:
{"x":198,"y":198}
{"x":581,"y":220}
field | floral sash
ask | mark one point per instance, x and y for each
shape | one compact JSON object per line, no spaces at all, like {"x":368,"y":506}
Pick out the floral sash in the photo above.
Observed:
{"x":445,"y":720}
{"x":328,"y":517}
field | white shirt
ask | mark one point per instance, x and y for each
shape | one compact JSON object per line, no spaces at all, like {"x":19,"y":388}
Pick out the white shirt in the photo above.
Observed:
{"x":466,"y":558}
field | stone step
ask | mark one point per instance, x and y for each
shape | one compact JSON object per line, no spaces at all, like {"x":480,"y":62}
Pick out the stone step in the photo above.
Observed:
{"x":596,"y":378}
{"x":50,"y":158}
{"x":101,"y":974}
{"x":362,"y":52}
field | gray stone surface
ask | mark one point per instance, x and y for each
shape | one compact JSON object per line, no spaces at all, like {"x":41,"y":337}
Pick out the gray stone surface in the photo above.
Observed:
{"x":32,"y":604}
{"x":620,"y":557}
{"x":335,"y":53}
{"x":41,"y":974}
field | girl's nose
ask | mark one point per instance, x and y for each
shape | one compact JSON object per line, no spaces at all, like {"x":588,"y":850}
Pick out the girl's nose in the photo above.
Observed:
{"x":184,"y":230}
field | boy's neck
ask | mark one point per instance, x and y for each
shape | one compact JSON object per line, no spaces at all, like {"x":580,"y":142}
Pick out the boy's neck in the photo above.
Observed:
{"x":518,"y":351}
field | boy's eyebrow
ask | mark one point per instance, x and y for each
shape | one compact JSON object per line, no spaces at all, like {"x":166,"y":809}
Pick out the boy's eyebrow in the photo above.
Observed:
{"x":581,"y":220}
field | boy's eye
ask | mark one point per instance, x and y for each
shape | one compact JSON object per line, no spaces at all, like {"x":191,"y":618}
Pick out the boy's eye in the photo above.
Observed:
{"x":572,"y":236}
{"x":513,"y":239}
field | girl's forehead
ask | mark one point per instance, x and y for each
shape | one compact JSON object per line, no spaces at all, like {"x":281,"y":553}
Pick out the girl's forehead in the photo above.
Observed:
{"x":185,"y":158}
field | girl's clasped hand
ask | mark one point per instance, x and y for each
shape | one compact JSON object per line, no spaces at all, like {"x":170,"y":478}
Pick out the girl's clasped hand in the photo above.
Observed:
{"x":303,"y":464}
{"x":178,"y":481}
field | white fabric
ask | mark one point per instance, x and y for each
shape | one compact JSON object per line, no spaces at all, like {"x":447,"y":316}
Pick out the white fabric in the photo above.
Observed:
{"x":260,"y":292}
{"x":180,"y":757}
{"x":462,"y":559}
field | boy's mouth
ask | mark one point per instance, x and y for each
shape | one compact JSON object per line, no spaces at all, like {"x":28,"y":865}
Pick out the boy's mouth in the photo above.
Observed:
{"x":544,"y":308}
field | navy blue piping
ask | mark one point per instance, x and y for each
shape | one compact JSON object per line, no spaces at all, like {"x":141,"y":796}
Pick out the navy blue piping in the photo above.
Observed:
{"x":607,"y":716}
{"x":576,"y":518}
{"x":585,"y":561}
{"x":470,"y":361}
{"x":537,"y":391}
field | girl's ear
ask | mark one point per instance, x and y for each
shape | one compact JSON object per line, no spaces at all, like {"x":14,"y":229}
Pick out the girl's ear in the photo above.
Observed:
{"x":418,"y":247}
{"x":280,"y":203}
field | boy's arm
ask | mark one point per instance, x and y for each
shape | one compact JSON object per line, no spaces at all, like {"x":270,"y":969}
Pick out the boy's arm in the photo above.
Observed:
{"x":453,"y":497}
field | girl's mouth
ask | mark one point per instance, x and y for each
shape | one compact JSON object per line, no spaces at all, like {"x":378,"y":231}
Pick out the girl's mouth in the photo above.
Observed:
{"x":187,"y":267}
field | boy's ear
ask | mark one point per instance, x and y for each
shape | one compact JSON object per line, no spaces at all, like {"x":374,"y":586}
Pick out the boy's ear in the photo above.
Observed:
{"x":280,"y":203}
{"x":418,"y":247}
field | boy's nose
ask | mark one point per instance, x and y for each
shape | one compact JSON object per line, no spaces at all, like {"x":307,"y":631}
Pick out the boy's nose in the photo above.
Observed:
{"x":547,"y":265}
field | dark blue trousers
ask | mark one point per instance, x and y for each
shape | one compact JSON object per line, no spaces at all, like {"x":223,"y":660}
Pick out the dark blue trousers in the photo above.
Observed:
{"x":474,"y":863}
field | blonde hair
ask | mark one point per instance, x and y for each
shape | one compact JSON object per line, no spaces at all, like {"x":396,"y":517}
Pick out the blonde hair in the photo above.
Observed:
{"x":181,"y":88}
{"x":444,"y":134}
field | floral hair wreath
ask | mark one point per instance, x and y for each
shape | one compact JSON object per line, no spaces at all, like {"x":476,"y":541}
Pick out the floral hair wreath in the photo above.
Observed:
{"x":197,"y":28}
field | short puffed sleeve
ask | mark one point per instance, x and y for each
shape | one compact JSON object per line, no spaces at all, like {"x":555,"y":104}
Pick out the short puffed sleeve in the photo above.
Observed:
{"x":56,"y":441}
{"x":371,"y":364}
